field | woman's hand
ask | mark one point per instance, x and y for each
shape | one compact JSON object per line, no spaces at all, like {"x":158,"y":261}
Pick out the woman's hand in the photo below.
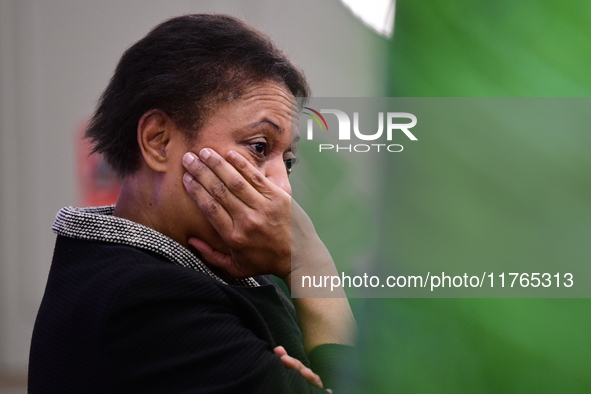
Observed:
{"x":267,"y":233}
{"x":294,"y":363}
{"x":250,"y":213}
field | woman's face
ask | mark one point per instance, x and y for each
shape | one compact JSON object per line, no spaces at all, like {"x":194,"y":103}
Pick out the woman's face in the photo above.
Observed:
{"x":262,"y":127}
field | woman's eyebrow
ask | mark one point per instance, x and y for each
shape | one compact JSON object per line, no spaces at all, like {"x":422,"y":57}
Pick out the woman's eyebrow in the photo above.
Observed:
{"x":266,"y":121}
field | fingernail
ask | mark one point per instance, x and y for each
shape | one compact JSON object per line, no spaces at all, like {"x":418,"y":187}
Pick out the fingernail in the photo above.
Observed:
{"x":205,"y":153}
{"x":188,"y":158}
{"x":187,"y":177}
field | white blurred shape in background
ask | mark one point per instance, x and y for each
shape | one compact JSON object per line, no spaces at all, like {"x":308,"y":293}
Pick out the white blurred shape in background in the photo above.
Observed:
{"x":377,"y":14}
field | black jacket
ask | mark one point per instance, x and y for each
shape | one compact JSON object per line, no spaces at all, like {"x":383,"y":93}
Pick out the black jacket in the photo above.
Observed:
{"x":115,"y":318}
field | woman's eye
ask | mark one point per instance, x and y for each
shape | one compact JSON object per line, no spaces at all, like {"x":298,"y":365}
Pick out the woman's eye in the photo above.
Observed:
{"x":289,"y":163}
{"x":260,"y":148}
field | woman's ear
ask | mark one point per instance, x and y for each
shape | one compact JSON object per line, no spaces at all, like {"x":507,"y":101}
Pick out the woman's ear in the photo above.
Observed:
{"x":154,"y":133}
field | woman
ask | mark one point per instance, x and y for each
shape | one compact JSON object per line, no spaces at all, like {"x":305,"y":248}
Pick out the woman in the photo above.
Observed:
{"x":168,"y":290}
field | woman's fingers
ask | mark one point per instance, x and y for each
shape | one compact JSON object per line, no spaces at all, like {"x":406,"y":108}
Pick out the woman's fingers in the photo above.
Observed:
{"x":280,"y":351}
{"x":249,"y":212}
{"x":294,"y":363}
{"x":221,"y":180}
{"x":306,"y":372}
{"x":252,"y":174}
{"x":211,"y":208}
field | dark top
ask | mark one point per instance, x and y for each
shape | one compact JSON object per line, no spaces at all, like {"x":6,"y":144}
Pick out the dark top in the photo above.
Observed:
{"x":115,"y":318}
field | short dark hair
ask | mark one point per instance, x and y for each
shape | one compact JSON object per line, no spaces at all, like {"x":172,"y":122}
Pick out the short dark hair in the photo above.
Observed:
{"x":183,"y":67}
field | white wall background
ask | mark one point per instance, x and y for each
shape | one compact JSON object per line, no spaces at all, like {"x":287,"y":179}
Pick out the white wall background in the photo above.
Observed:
{"x":56,"y":57}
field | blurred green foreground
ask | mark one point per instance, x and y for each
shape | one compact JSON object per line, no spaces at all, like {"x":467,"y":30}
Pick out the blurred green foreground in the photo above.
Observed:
{"x":464,"y":48}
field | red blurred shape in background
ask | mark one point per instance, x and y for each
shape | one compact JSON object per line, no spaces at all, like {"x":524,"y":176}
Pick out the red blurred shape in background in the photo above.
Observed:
{"x":97,"y":183}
